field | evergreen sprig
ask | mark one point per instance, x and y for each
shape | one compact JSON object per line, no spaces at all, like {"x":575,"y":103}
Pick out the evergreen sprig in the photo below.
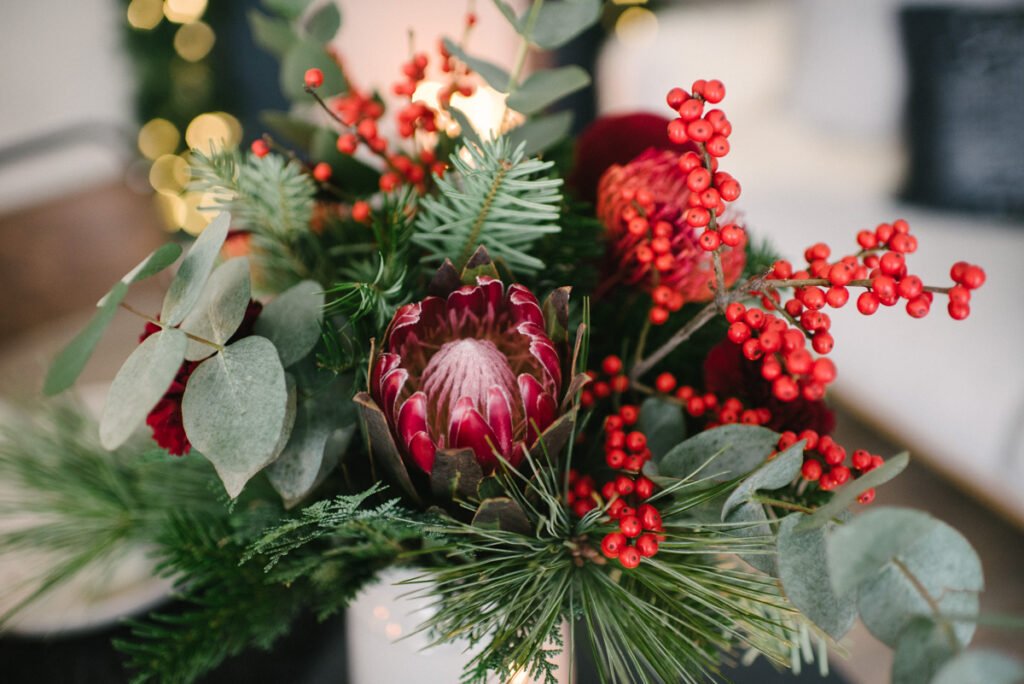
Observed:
{"x":495,"y":197}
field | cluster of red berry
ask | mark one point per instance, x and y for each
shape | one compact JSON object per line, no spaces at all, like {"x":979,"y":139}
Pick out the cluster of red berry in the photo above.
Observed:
{"x":616,"y":382}
{"x":785,"y":360}
{"x":825,"y":461}
{"x":709,"y":406}
{"x":640,"y":525}
{"x":710,"y":188}
{"x":415,"y":114}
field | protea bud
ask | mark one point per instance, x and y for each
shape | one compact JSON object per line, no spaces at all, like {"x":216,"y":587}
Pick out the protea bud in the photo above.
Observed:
{"x":654,"y":179}
{"x":475,"y":370}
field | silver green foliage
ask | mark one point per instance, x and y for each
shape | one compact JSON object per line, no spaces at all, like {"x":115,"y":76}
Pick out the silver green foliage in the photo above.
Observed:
{"x":189,"y":281}
{"x":292,"y":321}
{"x":663,"y":423}
{"x":220,"y":309}
{"x":496,"y":197}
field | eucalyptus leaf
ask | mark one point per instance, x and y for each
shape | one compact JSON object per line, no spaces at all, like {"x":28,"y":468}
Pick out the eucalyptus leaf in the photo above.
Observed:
{"x":541,"y":132}
{"x":923,"y":647}
{"x":140,"y":384}
{"x":289,"y":9}
{"x":304,"y":55}
{"x":545,"y":87}
{"x":773,"y":474}
{"x":297,"y":131}
{"x":273,"y":34}
{"x":509,"y":13}
{"x":888,"y":556}
{"x":465,"y":126}
{"x":663,"y":423}
{"x":324,"y":23}
{"x":235,"y":408}
{"x":803,"y":571}
{"x":559,"y":21}
{"x":195,"y":269}
{"x":752,"y":521}
{"x":220,"y":309}
{"x":847,"y":494}
{"x":159,"y":259}
{"x":980,"y":667}
{"x":69,"y":363}
{"x":723,"y":453}
{"x":495,"y":76}
{"x":292,"y":320}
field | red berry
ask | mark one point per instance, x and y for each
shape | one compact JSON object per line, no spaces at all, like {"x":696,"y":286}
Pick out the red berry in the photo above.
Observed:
{"x":699,"y":180}
{"x":314,"y":78}
{"x":615,"y":458}
{"x":631,"y":526}
{"x":644,"y":488}
{"x":613,"y":544}
{"x":866,"y":239}
{"x":676,"y":97}
{"x":630,"y":414}
{"x":973,"y":278}
{"x":690,"y":110}
{"x":956,"y":272}
{"x":260,"y":148}
{"x":714,"y":91}
{"x":784,"y":389}
{"x":611,"y":365}
{"x":811,"y":470}
{"x":360,"y":212}
{"x":734,"y":312}
{"x":710,"y":240}
{"x":347,"y":143}
{"x":910,"y":287}
{"x":959,"y":312}
{"x":891,"y":263}
{"x":718,"y":146}
{"x":649,"y":517}
{"x":919,"y":306}
{"x":822,"y":342}
{"x":629,"y":558}
{"x":729,"y":190}
{"x":824,"y":371}
{"x":840,"y":274}
{"x":647,"y":544}
{"x":658,"y":315}
{"x":782,"y":269}
{"x":636,"y":441}
{"x":732,"y":235}
{"x":665,"y":383}
{"x":959,"y":294}
{"x":322,"y":172}
{"x":620,"y":383}
{"x":837,"y":296}
{"x":867,"y":303}
{"x":739,"y":332}
{"x":861,"y":459}
{"x":624,"y":485}
{"x":867,"y":496}
{"x":677,"y":131}
{"x":700,"y":130}
{"x":613,"y":423}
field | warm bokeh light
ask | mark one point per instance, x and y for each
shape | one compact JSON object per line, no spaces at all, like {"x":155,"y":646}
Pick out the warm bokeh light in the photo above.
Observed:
{"x":194,"y":221}
{"x":194,"y":41}
{"x":636,"y":26}
{"x":184,"y":11}
{"x":485,"y":109}
{"x":213,"y":131}
{"x":145,"y":14}
{"x":172,"y":211}
{"x":158,"y":137}
{"x":169,"y":174}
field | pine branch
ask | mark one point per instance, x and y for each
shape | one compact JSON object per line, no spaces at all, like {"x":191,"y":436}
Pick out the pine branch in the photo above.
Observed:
{"x":498,"y":199}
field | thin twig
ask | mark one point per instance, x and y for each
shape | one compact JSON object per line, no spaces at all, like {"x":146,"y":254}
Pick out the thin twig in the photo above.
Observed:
{"x":681,"y":335}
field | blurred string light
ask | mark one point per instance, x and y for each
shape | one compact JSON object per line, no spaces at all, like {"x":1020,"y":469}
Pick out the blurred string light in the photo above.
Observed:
{"x":636,"y":26}
{"x":160,"y":139}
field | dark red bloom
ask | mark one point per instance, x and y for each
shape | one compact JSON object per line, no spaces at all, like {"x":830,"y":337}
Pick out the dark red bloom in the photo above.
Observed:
{"x":475,"y":369}
{"x":165,"y":419}
{"x":728,"y":373}
{"x":616,"y":140}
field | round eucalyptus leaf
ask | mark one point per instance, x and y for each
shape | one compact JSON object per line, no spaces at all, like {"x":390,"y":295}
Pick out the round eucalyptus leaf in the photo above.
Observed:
{"x":664,"y":425}
{"x":773,"y":474}
{"x":235,"y":409}
{"x":195,"y":269}
{"x":803,"y":571}
{"x":220,"y":309}
{"x":981,"y":667}
{"x":292,"y":321}
{"x":890,"y":556}
{"x":309,"y":54}
{"x":559,"y":21}
{"x":721,"y":454}
{"x":140,"y":384}
{"x":923,"y":647}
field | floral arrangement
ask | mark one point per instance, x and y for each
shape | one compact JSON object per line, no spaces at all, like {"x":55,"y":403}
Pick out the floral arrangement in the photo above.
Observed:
{"x":596,"y":402}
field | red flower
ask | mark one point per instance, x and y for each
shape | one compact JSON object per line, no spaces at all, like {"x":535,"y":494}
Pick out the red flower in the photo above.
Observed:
{"x":728,"y":373}
{"x":652,"y":189}
{"x":475,"y":369}
{"x":616,"y":140}
{"x":165,"y":419}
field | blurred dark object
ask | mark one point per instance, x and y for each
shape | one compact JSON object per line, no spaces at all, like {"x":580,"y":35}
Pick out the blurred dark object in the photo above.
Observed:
{"x":965,"y":109}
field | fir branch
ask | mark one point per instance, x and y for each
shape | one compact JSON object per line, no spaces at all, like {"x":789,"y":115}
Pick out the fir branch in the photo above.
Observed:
{"x":499,"y":199}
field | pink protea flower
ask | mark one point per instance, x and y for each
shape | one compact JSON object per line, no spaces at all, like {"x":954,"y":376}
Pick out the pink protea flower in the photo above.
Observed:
{"x":473,"y":370}
{"x":654,"y":179}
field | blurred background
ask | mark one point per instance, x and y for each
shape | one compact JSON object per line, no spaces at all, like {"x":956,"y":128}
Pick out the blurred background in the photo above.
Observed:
{"x":846,"y":113}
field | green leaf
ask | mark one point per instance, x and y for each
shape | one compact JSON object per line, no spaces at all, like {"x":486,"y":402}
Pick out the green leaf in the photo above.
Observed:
{"x":502,"y":513}
{"x":980,"y":667}
{"x":922,"y":649}
{"x":303,"y":55}
{"x":664,"y":425}
{"x":298,"y":131}
{"x":292,"y":321}
{"x":162,"y":257}
{"x":558,"y":22}
{"x":234,"y":409}
{"x":347,"y":171}
{"x":728,"y":451}
{"x":195,"y":269}
{"x":753,"y":522}
{"x":803,"y":571}
{"x":773,"y":474}
{"x":465,"y":126}
{"x":847,"y":494}
{"x":540,"y":133}
{"x":139,"y":385}
{"x":69,"y":363}
{"x":220,"y":309}
{"x":495,"y":76}
{"x":324,"y":23}
{"x":545,"y":87}
{"x":289,"y":9}
{"x":509,"y":14}
{"x":300,"y":466}
{"x":888,"y":555}
{"x":270,"y":33}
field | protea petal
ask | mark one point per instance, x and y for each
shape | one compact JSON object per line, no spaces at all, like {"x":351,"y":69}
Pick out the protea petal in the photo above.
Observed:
{"x":524,"y":305}
{"x":499,"y":417}
{"x":469,"y":429}
{"x":423,"y":451}
{"x":391,"y":387}
{"x":467,"y":300}
{"x":544,"y":351}
{"x":412,"y":416}
{"x":385,"y":364}
{"x":493,"y":292}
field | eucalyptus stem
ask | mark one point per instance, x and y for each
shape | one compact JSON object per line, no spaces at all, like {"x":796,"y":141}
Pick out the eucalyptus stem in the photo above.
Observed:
{"x":154,"y":321}
{"x":524,"y":46}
